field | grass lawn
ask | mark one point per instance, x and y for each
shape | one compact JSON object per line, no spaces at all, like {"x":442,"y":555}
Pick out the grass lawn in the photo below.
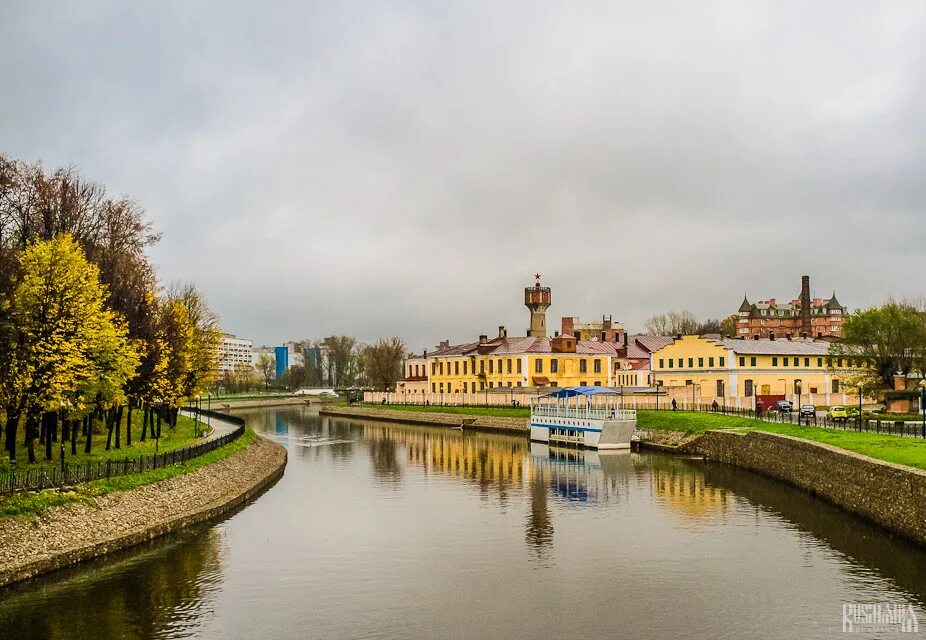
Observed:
{"x":32,"y":503}
{"x":182,"y":436}
{"x":502,"y":412}
{"x":897,"y":449}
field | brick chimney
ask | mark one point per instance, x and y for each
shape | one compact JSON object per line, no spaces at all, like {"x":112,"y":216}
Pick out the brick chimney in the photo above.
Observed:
{"x":805,"y":305}
{"x":483,"y":339}
{"x":502,"y":332}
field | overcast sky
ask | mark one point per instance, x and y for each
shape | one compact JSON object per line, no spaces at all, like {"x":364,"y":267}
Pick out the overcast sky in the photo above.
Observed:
{"x":403,"y":168}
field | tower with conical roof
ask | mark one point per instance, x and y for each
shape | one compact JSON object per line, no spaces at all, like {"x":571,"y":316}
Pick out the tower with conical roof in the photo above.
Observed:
{"x":538,"y":299}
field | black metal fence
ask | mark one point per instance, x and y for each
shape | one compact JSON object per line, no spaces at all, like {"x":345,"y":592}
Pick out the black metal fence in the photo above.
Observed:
{"x":40,"y":478}
{"x":910,"y":429}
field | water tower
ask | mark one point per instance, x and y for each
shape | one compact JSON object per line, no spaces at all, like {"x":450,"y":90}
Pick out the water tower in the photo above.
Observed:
{"x":538,"y":300}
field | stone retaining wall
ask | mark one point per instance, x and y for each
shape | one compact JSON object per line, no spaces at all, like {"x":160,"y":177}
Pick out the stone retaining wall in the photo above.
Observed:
{"x":72,"y":533}
{"x":888,"y":494}
{"x":482,"y":423}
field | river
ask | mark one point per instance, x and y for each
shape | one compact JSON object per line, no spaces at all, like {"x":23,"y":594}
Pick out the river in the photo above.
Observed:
{"x":392,"y":531}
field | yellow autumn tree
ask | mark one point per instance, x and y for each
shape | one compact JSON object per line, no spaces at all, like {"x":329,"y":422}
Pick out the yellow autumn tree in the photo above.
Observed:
{"x":71,"y":351}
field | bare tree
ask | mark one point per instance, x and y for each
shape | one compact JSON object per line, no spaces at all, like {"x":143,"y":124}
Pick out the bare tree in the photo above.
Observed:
{"x":383,"y":362}
{"x":672,"y":323}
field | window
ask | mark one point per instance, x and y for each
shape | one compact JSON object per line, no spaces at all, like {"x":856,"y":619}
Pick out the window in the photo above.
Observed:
{"x":597,"y":383}
{"x":691,"y":363}
{"x":747,"y":388}
{"x":538,"y":365}
{"x":597,"y":366}
{"x":499,"y":366}
{"x":482,"y":385}
{"x":671,"y":361}
{"x":449,"y":386}
{"x":509,"y":365}
{"x":835,"y":386}
{"x":839,"y":362}
{"x":554,"y":366}
{"x":473,"y":386}
{"x":490,"y":385}
{"x":742,"y":361}
{"x":720,"y":388}
{"x":784,"y":361}
{"x":700,"y":363}
{"x":722,"y":360}
{"x":710,"y":362}
{"x":491,"y":366}
{"x":440,"y":367}
{"x":554,"y":384}
{"x":433,"y":368}
{"x":441,"y":387}
{"x":806,"y":362}
{"x":464,"y":367}
{"x":583,"y":365}
{"x":774,"y":361}
{"x":482,"y":366}
{"x":456,"y":368}
{"x":584,"y":383}
{"x":433,"y":387}
{"x":662,"y":364}
{"x":519,"y":365}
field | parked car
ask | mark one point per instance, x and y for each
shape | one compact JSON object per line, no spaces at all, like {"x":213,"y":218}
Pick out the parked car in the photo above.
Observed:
{"x":808,"y":411}
{"x":784,"y":406}
{"x":838,"y":414}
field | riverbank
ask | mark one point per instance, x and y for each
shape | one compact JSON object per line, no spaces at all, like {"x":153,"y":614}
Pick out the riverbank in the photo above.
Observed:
{"x":432,"y":416}
{"x":873,"y":476}
{"x":63,"y":535}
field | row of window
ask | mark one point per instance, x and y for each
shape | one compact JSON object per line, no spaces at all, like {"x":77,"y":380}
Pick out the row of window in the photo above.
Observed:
{"x":691,"y":361}
{"x":439,"y":387}
{"x":786,"y":361}
{"x":501,"y":365}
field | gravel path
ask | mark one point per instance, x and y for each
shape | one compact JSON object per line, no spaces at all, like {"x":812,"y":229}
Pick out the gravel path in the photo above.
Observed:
{"x":71,"y":533}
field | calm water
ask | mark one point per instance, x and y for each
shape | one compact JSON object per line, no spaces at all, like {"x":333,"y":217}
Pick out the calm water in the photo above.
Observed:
{"x":389,"y":531}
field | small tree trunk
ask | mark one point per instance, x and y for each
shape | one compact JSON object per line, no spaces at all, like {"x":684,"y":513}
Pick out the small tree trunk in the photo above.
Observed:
{"x":110,"y":425}
{"x":119,"y":425}
{"x":12,"y":425}
{"x":160,"y":411}
{"x":88,"y":443}
{"x":144,"y":423}
{"x":75,"y":425}
{"x":128,"y":426}
{"x":49,"y":419}
{"x":30,"y":436}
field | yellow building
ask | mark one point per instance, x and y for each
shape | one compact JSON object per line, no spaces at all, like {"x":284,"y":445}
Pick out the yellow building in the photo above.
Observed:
{"x":511,"y":363}
{"x":736,"y":372}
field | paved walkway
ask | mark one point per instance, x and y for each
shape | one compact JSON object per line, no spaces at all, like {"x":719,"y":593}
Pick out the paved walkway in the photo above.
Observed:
{"x":219,"y":427}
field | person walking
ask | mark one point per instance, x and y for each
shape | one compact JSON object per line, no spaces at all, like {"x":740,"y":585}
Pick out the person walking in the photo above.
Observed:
{"x":674,"y":405}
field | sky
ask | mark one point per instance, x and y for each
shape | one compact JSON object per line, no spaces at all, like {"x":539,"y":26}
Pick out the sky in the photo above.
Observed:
{"x":404,"y":168}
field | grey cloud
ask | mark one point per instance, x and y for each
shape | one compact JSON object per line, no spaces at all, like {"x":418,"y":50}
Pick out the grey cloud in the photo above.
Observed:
{"x":403,"y":168}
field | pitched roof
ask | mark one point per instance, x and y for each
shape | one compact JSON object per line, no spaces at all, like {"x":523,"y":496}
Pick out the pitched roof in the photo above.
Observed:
{"x":651,"y":343}
{"x":797,"y":346}
{"x":523,"y":345}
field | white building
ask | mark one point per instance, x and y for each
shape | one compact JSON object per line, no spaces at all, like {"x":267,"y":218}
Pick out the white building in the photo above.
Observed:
{"x":232,"y":352}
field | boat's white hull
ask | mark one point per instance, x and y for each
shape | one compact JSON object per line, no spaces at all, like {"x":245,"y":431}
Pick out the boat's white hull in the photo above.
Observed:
{"x":593,"y":434}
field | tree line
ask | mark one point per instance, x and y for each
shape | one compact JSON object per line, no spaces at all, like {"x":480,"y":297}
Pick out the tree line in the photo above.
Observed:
{"x":87,"y":334}
{"x":685,"y":323}
{"x":335,"y":361}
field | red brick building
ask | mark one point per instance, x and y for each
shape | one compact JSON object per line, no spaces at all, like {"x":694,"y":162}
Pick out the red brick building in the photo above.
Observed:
{"x":801,"y":317}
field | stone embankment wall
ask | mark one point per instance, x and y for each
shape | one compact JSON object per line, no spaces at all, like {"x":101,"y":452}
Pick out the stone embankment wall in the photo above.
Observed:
{"x":888,"y":494}
{"x":71,"y":533}
{"x":482,"y":423}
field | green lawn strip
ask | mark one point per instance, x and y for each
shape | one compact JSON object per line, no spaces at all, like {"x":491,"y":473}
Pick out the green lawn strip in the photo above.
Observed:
{"x":900,"y":450}
{"x":502,"y":412}
{"x":183,"y":435}
{"x":33,"y":503}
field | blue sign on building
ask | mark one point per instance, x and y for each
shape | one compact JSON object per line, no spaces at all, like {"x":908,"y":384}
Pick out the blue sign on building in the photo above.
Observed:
{"x":282,"y":357}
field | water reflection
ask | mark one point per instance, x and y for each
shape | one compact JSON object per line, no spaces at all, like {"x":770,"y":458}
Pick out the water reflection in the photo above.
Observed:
{"x":161,"y":591}
{"x":395,"y":530}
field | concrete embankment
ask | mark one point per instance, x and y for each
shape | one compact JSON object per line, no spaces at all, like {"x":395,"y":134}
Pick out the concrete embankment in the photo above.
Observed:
{"x":72,"y":533}
{"x":428,"y":418}
{"x":887,"y":494}
{"x":263,"y":403}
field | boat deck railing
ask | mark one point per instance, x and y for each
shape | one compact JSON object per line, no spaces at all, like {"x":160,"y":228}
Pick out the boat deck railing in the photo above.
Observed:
{"x":587,"y":413}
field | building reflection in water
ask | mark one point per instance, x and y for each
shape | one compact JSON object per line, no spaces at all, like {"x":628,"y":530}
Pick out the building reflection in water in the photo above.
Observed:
{"x":683,"y":489}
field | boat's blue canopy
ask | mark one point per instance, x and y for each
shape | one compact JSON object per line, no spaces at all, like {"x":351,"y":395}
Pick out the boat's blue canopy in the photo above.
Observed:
{"x":569,"y":392}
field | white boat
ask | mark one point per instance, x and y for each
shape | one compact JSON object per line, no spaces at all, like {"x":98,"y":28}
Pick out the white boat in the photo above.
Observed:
{"x":582,"y":416}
